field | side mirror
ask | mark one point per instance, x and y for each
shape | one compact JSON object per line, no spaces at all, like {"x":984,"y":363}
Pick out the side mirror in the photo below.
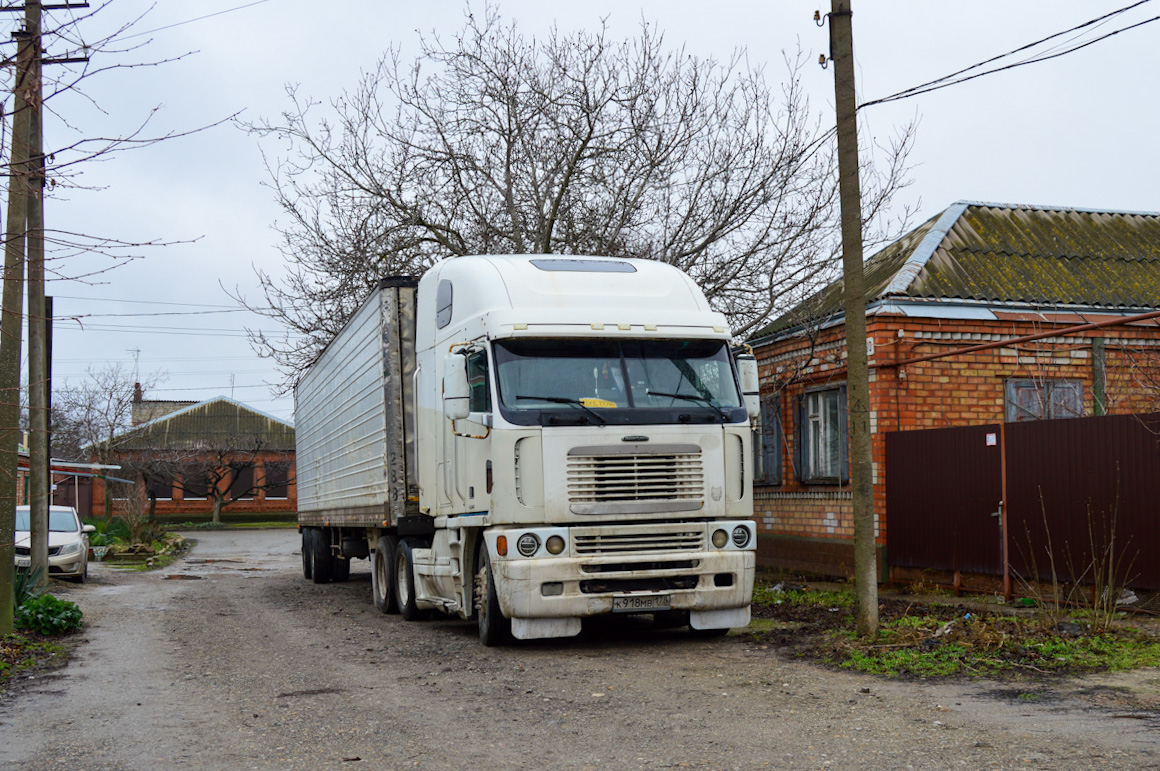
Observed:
{"x":750,"y":384}
{"x":456,"y":392}
{"x":89,"y":529}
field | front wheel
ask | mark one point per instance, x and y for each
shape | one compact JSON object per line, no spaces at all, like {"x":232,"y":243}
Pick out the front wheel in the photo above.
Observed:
{"x":494,"y":629}
{"x":382,"y":574}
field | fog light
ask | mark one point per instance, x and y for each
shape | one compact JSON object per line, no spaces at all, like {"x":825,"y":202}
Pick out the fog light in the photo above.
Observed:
{"x":528,"y":544}
{"x":740,"y":536}
{"x":720,"y":538}
{"x":552,"y":589}
{"x":555,"y":544}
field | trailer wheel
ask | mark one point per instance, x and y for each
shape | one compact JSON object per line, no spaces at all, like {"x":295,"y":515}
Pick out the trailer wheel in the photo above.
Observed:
{"x":494,"y":629}
{"x":320,"y":555}
{"x":307,"y":548}
{"x":405,"y":581}
{"x":382,"y":574}
{"x":339,"y":569}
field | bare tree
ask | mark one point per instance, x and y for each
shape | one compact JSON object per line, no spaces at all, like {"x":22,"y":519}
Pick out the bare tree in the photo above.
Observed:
{"x":89,"y":413}
{"x":494,"y":142}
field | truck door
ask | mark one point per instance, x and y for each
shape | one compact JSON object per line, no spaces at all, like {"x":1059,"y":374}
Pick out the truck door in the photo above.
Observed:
{"x":472,"y":441}
{"x":465,"y":444}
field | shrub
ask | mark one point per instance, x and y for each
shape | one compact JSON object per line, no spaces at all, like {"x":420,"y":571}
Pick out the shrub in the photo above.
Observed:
{"x":47,"y":614}
{"x":25,"y":586}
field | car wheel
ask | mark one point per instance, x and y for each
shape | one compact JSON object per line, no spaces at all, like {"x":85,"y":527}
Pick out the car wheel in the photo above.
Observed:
{"x":405,"y":581}
{"x":494,"y":629}
{"x":320,"y":555}
{"x":307,"y":548}
{"x":382,"y":574}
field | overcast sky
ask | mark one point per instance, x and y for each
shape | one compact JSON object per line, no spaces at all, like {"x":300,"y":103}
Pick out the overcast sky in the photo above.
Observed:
{"x":1075,"y":131}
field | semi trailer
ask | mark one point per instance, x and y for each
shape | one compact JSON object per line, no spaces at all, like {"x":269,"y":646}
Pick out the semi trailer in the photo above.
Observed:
{"x":532,"y":440}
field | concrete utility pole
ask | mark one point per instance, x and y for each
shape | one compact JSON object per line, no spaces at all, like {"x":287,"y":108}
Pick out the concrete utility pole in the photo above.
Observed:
{"x":11,"y":326}
{"x":858,"y":377}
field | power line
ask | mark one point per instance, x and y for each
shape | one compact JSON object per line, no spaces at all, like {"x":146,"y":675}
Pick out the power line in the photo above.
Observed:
{"x":954,"y":79}
{"x":198,"y":18}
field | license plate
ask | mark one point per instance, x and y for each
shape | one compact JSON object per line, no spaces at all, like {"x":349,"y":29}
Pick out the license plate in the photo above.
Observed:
{"x":642,"y":604}
{"x":23,"y":562}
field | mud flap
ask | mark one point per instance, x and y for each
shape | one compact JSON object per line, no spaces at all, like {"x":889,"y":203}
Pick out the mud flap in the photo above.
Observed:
{"x":541,"y":628}
{"x":723,"y":618}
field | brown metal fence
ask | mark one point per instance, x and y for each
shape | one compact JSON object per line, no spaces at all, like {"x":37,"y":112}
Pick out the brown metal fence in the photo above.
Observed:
{"x":1071,"y":483}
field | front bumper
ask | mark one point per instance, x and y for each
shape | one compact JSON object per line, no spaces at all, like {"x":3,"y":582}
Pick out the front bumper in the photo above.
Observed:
{"x":572,"y":587}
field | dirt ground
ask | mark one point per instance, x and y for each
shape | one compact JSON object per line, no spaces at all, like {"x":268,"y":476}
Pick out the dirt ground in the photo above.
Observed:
{"x":230,"y":660}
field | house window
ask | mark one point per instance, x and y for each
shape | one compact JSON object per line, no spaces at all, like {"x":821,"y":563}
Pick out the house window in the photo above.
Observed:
{"x":821,"y":449}
{"x":160,"y":487}
{"x":1042,"y":399}
{"x":277,"y":479}
{"x":241,"y":482}
{"x":195,"y":482}
{"x":767,"y":444}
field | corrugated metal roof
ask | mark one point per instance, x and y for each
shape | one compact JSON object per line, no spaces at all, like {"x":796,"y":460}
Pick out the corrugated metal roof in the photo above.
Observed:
{"x":216,"y":424}
{"x":1009,"y":255}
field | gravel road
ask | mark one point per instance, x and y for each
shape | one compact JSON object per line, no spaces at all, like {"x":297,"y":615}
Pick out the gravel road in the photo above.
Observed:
{"x":230,"y":660}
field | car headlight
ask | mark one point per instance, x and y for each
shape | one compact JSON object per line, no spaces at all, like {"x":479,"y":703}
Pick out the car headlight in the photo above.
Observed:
{"x":70,"y":548}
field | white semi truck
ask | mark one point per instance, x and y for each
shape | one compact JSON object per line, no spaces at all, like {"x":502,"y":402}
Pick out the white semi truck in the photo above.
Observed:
{"x":530,"y":440}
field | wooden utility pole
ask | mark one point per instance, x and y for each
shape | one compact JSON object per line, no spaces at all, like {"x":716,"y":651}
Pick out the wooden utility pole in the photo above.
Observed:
{"x":858,"y":373}
{"x":11,"y":322}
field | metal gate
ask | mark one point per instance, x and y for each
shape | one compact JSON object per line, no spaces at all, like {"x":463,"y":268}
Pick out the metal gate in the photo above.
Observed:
{"x":1068,"y":482}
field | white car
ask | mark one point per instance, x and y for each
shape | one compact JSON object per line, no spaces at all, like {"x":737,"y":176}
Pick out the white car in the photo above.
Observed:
{"x":68,"y":542}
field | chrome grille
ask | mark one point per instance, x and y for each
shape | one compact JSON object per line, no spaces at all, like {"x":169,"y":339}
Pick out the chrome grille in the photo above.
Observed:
{"x":634,"y":477}
{"x":637,"y":540}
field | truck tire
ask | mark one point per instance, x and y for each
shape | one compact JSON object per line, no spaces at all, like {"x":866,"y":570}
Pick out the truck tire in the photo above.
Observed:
{"x":383,"y":574}
{"x":320,"y":557}
{"x":307,"y":548}
{"x":339,"y":569}
{"x":405,"y":581}
{"x":494,"y":629}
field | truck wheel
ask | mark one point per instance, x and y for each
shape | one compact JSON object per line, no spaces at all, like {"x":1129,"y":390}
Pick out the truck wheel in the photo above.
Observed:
{"x":320,"y":557}
{"x":307,"y":548}
{"x":339,"y":569}
{"x":494,"y":629}
{"x":405,"y":581}
{"x":382,"y":574}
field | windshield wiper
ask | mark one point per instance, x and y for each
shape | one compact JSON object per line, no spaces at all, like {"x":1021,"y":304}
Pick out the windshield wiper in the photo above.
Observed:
{"x":693,"y":398}
{"x":567,"y":400}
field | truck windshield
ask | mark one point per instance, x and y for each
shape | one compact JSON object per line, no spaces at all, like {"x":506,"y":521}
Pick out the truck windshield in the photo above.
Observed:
{"x":612,"y":381}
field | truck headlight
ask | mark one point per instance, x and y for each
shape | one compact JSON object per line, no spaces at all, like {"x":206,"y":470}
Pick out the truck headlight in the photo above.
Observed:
{"x":555,"y":544}
{"x":528,"y":544}
{"x":740,"y":536}
{"x":720,"y":538}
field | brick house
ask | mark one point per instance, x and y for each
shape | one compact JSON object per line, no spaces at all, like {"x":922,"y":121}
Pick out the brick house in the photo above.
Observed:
{"x":1021,"y":286}
{"x":180,"y":453}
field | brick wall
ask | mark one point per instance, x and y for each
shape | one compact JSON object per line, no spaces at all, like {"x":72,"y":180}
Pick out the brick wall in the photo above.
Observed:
{"x":966,"y":389}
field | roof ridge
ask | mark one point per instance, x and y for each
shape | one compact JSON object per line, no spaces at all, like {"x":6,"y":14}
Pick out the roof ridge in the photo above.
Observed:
{"x":925,"y":249}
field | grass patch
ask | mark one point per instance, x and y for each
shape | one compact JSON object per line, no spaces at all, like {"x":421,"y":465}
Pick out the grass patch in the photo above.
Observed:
{"x":943,"y":640}
{"x":27,"y":652}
